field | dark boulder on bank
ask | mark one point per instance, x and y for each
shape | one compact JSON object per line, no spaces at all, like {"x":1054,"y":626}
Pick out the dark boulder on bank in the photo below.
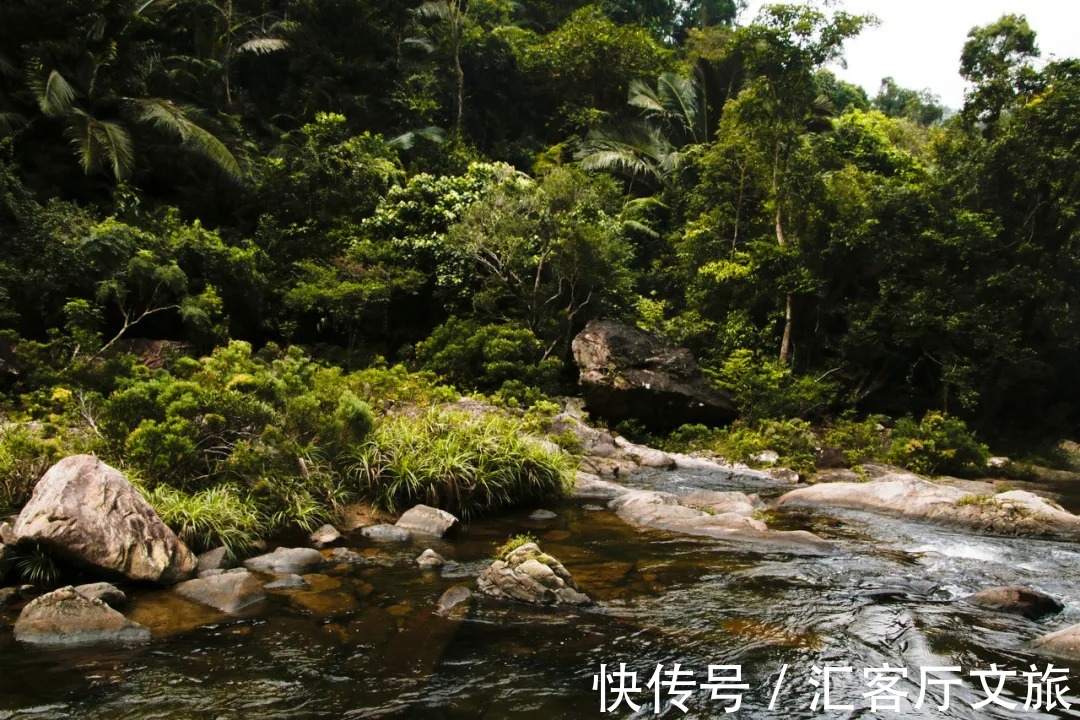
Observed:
{"x":629,"y":374}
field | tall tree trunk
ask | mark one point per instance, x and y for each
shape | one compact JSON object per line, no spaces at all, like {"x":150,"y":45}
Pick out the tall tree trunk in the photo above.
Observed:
{"x":781,"y":240}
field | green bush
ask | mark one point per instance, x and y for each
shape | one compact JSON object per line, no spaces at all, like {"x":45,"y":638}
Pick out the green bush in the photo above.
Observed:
{"x":766,"y":388}
{"x":489,"y":358}
{"x":939,"y":444}
{"x":861,"y":441}
{"x":793,"y":440}
{"x":467,"y":464}
{"x":235,"y":431}
{"x":26,"y":452}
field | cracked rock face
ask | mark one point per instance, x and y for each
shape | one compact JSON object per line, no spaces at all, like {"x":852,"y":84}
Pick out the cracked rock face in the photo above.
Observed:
{"x":87,"y":512}
{"x":530,"y":575}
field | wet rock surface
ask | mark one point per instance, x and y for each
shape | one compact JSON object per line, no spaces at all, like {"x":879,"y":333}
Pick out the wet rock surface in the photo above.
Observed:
{"x":287,"y":560}
{"x":325,"y":536}
{"x":216,"y":559}
{"x":1016,"y":512}
{"x":229,"y":592}
{"x":386,"y":533}
{"x":452,"y":599}
{"x":530,"y":575}
{"x":107,"y":593}
{"x":1019,"y":600}
{"x":425,"y":520}
{"x":65,"y":617}
{"x":430,"y":559}
{"x":89,"y":513}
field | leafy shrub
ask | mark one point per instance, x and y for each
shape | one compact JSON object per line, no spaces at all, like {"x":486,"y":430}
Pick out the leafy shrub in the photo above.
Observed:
{"x":939,"y":444}
{"x":382,"y":385}
{"x":489,"y":358}
{"x":469,"y":465}
{"x":861,"y":441}
{"x":766,"y":388}
{"x":793,"y":440}
{"x":235,"y":430}
{"x":25,"y":454}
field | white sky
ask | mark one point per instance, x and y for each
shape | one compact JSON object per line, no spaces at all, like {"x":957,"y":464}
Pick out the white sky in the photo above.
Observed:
{"x":919,"y":41}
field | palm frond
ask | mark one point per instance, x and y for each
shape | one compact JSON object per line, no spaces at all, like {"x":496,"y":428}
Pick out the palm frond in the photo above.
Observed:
{"x":9,"y":121}
{"x":264,"y":45}
{"x":634,"y":150}
{"x":406,"y":140}
{"x":434,"y":10}
{"x":420,"y":43}
{"x":173,"y":119}
{"x":55,"y":96}
{"x":101,"y":143}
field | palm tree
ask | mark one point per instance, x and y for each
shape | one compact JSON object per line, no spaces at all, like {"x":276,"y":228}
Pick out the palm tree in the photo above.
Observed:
{"x":454,"y":13}
{"x":100,"y":104}
{"x":650,"y":148}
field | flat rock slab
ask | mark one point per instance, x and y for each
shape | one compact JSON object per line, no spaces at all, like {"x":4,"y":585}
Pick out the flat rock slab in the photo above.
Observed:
{"x":532,"y":576}
{"x":587,"y":485}
{"x":229,"y":592}
{"x":1016,"y":599}
{"x":88,"y":512}
{"x":542,"y":515}
{"x":386,"y":533}
{"x":287,"y":560}
{"x":426,"y":520}
{"x":664,"y":511}
{"x":64,"y":617}
{"x":1010,"y":513}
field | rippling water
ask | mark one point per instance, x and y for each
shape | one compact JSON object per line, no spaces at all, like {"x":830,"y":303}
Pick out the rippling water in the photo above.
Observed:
{"x":366,"y":644}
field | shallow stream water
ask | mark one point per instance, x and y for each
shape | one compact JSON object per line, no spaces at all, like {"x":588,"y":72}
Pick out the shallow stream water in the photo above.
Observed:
{"x":363,"y":642}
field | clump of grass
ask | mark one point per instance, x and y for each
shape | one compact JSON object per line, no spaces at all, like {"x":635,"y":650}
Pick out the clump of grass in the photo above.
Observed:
{"x":503,"y":551}
{"x":37,"y":567}
{"x":467,"y":464}
{"x":763,"y":515}
{"x":980,"y":500}
{"x":210,"y":518}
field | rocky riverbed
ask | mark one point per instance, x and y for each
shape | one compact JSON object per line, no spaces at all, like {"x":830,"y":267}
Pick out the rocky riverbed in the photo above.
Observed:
{"x":693,"y":565}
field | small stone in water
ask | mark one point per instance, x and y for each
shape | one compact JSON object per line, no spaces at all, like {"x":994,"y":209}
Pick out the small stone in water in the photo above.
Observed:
{"x":452,"y":598}
{"x":542,"y":515}
{"x":324,"y":536}
{"x":287,"y":582}
{"x":386,"y":533}
{"x":430,"y":559}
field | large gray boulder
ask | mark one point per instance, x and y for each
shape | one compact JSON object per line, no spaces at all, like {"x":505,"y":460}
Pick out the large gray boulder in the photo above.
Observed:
{"x":287,"y":560}
{"x":87,"y":512}
{"x":230,"y":592}
{"x":425,"y":520}
{"x":65,"y":617}
{"x":628,"y":374}
{"x":530,"y":575}
{"x":1016,"y":512}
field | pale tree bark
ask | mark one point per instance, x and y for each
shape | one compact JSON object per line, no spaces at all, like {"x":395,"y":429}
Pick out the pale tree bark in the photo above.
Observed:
{"x":781,"y":240}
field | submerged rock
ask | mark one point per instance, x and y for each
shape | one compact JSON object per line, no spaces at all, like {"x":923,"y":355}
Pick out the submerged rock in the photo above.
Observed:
{"x":530,"y":575}
{"x":1062,"y":644}
{"x":386,"y":533}
{"x":430,"y":559}
{"x":452,"y":598}
{"x":65,"y":617}
{"x":287,"y":560}
{"x":287,"y":582}
{"x":348,"y":557}
{"x":628,"y":374}
{"x":325,"y":536}
{"x":425,"y":520}
{"x":1032,"y":604}
{"x":229,"y":592}
{"x":107,"y":593}
{"x":87,"y":512}
{"x":1010,"y":513}
{"x":542,"y":515}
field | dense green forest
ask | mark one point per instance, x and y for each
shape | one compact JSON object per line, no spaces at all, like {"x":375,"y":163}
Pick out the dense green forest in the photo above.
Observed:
{"x":458,"y":186}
